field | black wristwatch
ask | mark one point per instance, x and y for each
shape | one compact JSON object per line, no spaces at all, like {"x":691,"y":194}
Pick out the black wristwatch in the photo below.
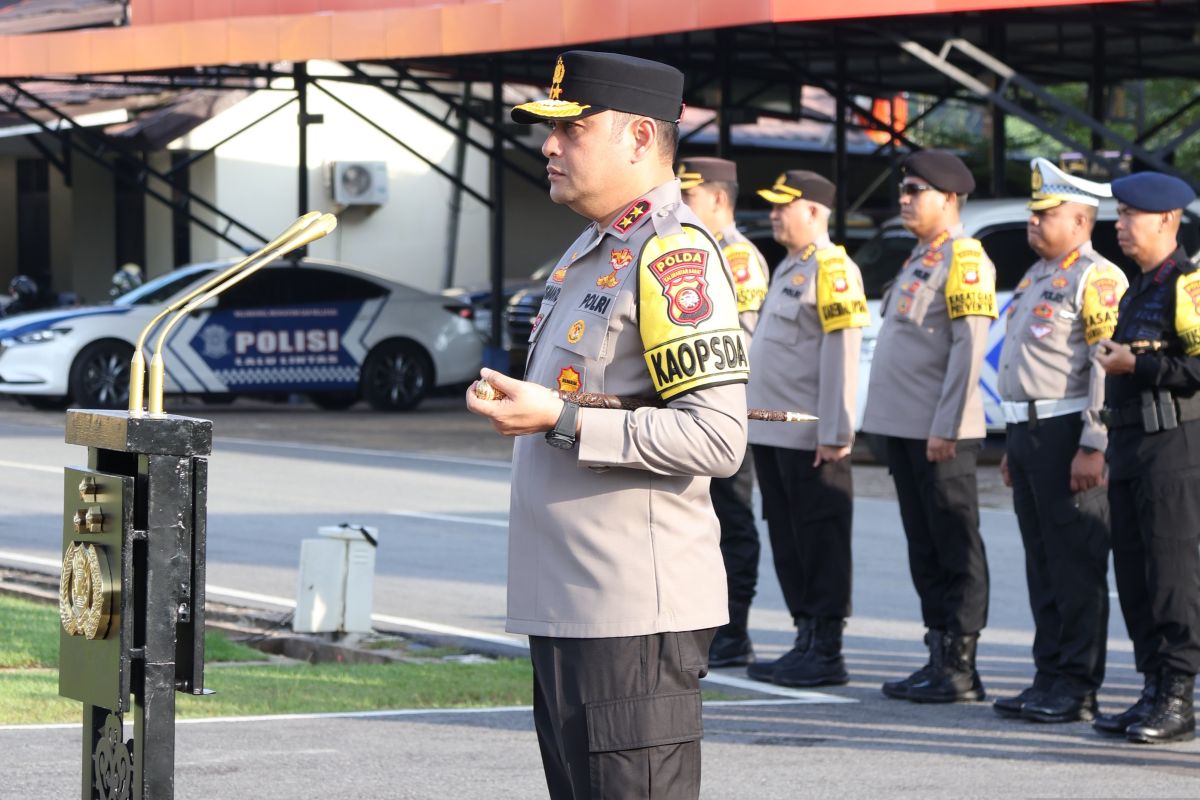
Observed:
{"x":562,"y":435}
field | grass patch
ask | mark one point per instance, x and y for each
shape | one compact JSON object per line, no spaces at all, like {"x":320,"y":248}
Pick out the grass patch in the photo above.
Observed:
{"x":30,"y":633}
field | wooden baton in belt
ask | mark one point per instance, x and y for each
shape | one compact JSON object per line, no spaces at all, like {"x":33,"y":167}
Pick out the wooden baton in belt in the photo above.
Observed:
{"x":485,"y":391}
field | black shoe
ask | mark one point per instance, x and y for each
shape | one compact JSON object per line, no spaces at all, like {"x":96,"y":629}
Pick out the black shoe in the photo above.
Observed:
{"x":822,"y":664}
{"x":1172,"y":718}
{"x":1061,"y":706}
{"x":730,"y":650}
{"x":765,"y":670}
{"x":1117,"y":724}
{"x":956,"y":679}
{"x":898,"y":690}
{"x":1011,"y":706}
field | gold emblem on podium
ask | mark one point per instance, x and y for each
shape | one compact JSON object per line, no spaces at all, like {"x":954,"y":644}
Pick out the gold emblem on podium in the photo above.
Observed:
{"x":84,"y":592}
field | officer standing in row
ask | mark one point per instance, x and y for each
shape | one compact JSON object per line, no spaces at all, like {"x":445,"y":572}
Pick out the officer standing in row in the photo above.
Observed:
{"x":710,"y":189}
{"x":806,"y":354}
{"x":1052,"y":392}
{"x":924,"y":400}
{"x":614,"y":567}
{"x":1153,"y":415}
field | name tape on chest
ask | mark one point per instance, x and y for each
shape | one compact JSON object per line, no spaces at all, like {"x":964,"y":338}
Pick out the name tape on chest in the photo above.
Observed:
{"x":970,"y":282}
{"x":841,"y":299}
{"x":687,"y":315}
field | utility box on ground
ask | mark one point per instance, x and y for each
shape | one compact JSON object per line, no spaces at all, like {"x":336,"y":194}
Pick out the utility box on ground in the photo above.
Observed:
{"x":337,"y":576}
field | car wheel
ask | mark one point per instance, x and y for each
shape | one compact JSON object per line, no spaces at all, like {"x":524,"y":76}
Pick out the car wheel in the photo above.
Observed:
{"x":100,"y":375}
{"x":333,"y":401}
{"x":396,"y":376}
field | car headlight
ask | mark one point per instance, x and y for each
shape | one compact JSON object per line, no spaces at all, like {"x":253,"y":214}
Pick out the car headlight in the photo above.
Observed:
{"x":36,"y":337}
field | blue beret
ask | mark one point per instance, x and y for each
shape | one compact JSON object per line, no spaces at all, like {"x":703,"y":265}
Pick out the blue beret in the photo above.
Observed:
{"x":1153,"y":191}
{"x":942,"y":169}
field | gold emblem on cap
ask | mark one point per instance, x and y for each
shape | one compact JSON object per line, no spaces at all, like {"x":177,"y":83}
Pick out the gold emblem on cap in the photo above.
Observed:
{"x":575,"y":332}
{"x":1036,"y":180}
{"x":560,"y":72}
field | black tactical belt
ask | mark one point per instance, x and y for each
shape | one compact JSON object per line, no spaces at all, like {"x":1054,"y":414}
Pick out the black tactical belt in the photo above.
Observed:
{"x":1134,"y":413}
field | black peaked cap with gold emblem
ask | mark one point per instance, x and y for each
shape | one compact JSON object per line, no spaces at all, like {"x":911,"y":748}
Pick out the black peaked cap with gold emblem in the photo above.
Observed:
{"x":942,"y":169}
{"x":704,"y":169}
{"x":587,"y":83}
{"x":800,"y":183}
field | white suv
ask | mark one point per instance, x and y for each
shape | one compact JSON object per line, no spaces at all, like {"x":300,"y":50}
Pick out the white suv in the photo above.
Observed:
{"x":1000,"y":225}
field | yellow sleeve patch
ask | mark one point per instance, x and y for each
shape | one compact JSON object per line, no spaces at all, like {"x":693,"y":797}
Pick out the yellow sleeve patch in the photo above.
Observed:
{"x":749,"y":278}
{"x":1187,"y":312}
{"x":841,"y":299}
{"x":971,"y":282}
{"x":1101,"y":296}
{"x":687,"y":316}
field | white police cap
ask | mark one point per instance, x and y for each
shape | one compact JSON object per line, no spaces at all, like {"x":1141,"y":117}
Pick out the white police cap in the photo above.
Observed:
{"x":1052,"y":187}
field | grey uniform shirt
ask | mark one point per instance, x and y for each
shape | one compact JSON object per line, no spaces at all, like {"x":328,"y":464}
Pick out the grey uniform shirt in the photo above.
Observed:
{"x":925,"y":369}
{"x":1059,"y":312}
{"x":794,"y":364}
{"x":617,"y":537}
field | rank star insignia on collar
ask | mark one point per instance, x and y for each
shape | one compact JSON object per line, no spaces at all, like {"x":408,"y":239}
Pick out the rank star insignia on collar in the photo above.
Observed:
{"x":807,"y":252}
{"x":1070,"y":260}
{"x":631,"y":215}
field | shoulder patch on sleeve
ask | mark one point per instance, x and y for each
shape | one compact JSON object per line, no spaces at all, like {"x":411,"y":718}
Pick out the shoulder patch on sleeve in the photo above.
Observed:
{"x":687,"y":315}
{"x":749,"y":279}
{"x":1104,"y":284}
{"x":841,"y":299}
{"x":1187,"y":311}
{"x":971,"y":282}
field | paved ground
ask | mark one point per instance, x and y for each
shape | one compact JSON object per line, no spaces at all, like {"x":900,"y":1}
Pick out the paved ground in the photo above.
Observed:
{"x":436,"y":483}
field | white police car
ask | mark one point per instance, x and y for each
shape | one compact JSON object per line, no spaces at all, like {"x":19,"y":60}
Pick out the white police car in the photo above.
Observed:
{"x":1000,"y":226}
{"x":323,"y":329}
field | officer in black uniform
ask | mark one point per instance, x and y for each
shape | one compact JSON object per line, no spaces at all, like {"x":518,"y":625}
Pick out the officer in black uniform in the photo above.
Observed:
{"x":1153,"y":414}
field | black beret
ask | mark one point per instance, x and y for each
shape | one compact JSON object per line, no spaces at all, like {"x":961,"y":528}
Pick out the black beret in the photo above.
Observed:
{"x":587,"y":83}
{"x":1153,"y":191}
{"x":797,"y":183}
{"x":942,"y":169}
{"x":695,"y":171}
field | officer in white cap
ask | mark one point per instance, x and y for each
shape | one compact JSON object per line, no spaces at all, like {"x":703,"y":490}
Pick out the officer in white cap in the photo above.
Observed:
{"x":1052,"y":390}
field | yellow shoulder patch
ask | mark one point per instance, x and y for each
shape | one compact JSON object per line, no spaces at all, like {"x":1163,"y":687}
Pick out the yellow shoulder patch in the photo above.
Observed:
{"x":749,"y":278}
{"x":1101,"y":296}
{"x":687,"y":316}
{"x":971,"y":282}
{"x":1187,"y":312}
{"x":841,"y":299}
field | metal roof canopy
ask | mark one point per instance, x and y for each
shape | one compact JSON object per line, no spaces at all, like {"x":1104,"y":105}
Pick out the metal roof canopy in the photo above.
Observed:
{"x":1001,"y":61}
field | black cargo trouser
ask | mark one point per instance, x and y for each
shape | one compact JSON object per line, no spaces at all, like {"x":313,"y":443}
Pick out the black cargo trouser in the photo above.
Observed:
{"x":740,"y":548}
{"x":619,"y":718}
{"x":939,"y":506}
{"x":1156,"y":559}
{"x":809,"y":512}
{"x":1066,"y":539}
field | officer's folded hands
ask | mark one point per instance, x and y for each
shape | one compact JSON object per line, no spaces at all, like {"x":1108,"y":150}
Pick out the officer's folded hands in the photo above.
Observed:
{"x":523,"y":407}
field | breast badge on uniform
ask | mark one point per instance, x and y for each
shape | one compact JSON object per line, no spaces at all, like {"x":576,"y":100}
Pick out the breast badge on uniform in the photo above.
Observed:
{"x":1024,"y":284}
{"x":618,"y":260}
{"x":559,"y":274}
{"x":569,"y":380}
{"x":575,"y":332}
{"x":798,"y":280}
{"x":1059,"y":283}
{"x":1043,"y":310}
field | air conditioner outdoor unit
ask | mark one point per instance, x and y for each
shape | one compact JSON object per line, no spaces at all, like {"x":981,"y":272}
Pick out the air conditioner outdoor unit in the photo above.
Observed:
{"x":359,"y":183}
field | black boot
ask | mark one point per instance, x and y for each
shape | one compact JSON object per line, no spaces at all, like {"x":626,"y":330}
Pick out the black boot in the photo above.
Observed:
{"x":731,"y":646}
{"x":957,"y":679}
{"x":822,"y":664}
{"x":1171,"y":719}
{"x":1064,"y":703}
{"x":1011,"y":706}
{"x":899,"y":689}
{"x":765,"y":670}
{"x":1117,"y":724}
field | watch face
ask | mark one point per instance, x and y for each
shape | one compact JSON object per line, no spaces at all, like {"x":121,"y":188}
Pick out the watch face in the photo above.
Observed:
{"x":558,"y":440}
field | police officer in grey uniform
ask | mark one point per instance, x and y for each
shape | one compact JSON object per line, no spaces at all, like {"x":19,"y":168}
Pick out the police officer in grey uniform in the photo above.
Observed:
{"x":1152,"y":408}
{"x":710,"y":189}
{"x":1052,"y":391}
{"x":924,"y":400}
{"x":806,"y":352}
{"x":615,"y":568}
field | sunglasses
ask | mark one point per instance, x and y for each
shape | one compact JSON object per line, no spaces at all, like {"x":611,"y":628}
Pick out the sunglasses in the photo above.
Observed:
{"x":916,"y":188}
